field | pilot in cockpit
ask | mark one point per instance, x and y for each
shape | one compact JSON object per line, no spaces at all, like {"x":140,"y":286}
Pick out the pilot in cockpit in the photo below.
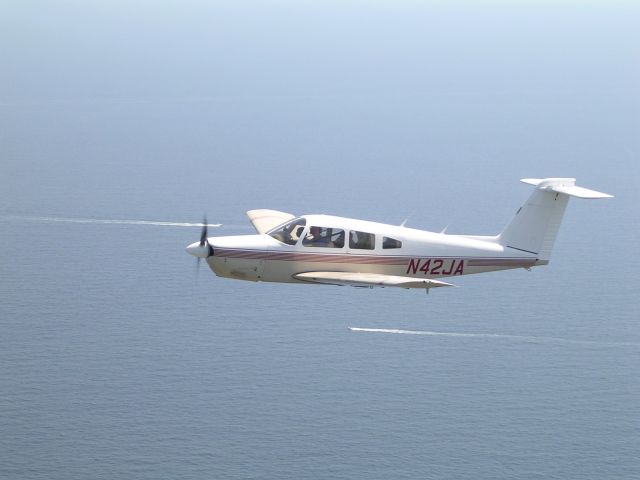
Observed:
{"x":316,"y":238}
{"x":314,"y":235}
{"x":324,"y":237}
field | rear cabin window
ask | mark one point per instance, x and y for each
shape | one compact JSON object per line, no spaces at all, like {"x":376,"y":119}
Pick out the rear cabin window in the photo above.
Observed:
{"x":324,"y":237}
{"x":388,"y":242}
{"x":290,"y":232}
{"x":362,"y":240}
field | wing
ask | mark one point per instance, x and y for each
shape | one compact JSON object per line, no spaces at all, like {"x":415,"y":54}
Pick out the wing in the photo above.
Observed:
{"x":369,"y":280}
{"x":264,"y":220}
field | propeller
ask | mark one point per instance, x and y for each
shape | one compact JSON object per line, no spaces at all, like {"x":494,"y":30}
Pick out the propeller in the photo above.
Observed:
{"x":203,"y":242}
{"x":201,"y":249}
{"x":203,"y":233}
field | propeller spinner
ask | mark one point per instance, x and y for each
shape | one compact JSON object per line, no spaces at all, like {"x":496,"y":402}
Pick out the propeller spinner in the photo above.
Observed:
{"x":201,"y":249}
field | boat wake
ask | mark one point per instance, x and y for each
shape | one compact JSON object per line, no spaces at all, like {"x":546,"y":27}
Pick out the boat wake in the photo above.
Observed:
{"x":109,"y":222}
{"x":521,"y":338}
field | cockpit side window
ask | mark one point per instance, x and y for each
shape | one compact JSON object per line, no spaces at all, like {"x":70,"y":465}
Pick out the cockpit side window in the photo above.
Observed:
{"x":388,"y":242}
{"x":362,"y":240}
{"x":290,"y":232}
{"x":324,"y":237}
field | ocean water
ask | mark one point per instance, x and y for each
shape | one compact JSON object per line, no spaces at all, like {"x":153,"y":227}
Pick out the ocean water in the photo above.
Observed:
{"x":118,"y":360}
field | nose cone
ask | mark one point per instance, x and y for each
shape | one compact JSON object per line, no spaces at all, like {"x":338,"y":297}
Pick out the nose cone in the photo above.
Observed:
{"x":197,"y":250}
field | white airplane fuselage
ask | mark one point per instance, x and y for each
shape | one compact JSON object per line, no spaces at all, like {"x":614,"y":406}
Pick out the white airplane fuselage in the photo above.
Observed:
{"x":325,"y":249}
{"x":423,"y":254}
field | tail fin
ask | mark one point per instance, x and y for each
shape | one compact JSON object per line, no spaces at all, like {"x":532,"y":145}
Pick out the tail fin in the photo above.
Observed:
{"x":536,"y":224}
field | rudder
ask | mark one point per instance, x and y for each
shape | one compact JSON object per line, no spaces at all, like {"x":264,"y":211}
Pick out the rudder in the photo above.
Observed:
{"x":536,"y":224}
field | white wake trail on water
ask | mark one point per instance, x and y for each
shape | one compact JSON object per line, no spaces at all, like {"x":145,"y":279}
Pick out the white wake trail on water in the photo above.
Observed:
{"x":108,"y":222}
{"x":522,"y":338}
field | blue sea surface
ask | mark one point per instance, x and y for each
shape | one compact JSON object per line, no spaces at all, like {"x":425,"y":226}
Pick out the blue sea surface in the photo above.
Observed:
{"x":119,"y":361}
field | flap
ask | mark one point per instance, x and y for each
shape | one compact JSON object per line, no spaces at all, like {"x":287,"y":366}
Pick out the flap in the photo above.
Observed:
{"x":369,"y":280}
{"x":264,"y":220}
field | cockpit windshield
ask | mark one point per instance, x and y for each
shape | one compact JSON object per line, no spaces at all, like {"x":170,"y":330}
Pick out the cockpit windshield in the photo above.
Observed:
{"x":290,"y":232}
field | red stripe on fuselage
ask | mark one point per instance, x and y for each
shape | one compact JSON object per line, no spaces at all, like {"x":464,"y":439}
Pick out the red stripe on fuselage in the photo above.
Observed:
{"x":413,"y":263}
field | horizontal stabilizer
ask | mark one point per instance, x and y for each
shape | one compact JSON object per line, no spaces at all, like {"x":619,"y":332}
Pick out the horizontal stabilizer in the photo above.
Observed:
{"x":369,"y":280}
{"x":264,"y":220}
{"x":566,"y":186}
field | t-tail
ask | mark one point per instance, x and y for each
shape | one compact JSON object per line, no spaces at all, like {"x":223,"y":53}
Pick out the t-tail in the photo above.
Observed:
{"x":534,"y":228}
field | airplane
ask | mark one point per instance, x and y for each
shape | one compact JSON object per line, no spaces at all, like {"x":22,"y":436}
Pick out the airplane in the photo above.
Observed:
{"x":324,"y":249}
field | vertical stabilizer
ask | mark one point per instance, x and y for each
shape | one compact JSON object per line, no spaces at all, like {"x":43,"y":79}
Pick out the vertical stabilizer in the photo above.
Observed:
{"x":535,"y":227}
